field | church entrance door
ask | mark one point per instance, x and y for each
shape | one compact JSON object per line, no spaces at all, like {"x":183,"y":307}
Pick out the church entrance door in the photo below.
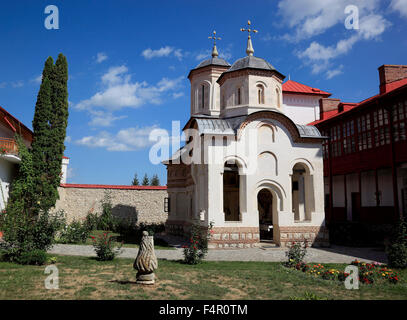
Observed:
{"x":265,"y":209}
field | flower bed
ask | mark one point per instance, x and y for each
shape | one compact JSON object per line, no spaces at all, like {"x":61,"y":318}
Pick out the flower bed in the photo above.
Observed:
{"x":369,"y":273}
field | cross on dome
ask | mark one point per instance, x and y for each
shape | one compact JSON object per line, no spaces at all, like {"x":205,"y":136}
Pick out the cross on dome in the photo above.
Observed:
{"x":214,"y":38}
{"x":249,"y":49}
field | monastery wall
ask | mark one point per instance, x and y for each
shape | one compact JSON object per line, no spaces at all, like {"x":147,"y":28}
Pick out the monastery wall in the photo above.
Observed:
{"x":145,"y":204}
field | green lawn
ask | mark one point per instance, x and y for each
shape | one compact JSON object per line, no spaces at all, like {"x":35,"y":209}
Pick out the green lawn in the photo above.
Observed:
{"x":129,"y":241}
{"x":87,"y":278}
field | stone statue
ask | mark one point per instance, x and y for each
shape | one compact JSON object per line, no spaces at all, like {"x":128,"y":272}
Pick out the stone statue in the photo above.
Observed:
{"x":146,"y":261}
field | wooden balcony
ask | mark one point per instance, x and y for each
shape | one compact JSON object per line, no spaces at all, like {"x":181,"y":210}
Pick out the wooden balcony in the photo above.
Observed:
{"x":8,"y":146}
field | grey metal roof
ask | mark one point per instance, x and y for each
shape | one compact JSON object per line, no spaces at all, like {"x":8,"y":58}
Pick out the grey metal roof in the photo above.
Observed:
{"x":251,"y":62}
{"x":213,"y":61}
{"x":308,"y":131}
{"x":214,"y":126}
{"x":229,"y":126}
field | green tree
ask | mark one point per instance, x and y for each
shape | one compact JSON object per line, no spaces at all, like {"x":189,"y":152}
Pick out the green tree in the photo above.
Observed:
{"x":135,"y":181}
{"x":155,"y":181}
{"x":20,"y":195}
{"x":145,"y":181}
{"x":49,"y":124}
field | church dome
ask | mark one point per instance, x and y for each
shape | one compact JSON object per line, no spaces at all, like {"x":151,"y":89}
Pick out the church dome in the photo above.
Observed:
{"x":251,"y":62}
{"x":213,"y":61}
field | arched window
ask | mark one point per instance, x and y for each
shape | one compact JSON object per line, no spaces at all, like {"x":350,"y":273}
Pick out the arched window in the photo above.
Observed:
{"x":302,"y":193}
{"x":231,"y":201}
{"x":202,"y":96}
{"x":238,"y":97}
{"x":260,"y":94}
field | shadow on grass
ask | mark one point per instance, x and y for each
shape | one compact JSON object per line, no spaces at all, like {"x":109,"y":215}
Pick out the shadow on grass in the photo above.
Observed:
{"x":124,"y":282}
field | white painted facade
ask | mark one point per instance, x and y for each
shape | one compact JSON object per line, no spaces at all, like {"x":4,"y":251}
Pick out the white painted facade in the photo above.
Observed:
{"x":301,"y":108}
{"x":256,"y":147}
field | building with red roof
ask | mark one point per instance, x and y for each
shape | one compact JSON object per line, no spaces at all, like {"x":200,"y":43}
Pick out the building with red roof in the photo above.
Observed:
{"x":301,"y":102}
{"x":365,"y":155}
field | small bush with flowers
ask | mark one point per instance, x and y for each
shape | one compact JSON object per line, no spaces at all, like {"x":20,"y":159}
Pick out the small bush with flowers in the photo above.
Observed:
{"x":197,"y":248}
{"x":105,"y":246}
{"x":374,"y":272}
{"x":296,"y":254}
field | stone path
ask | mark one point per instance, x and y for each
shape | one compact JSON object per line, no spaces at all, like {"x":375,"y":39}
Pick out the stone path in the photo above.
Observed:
{"x":334,"y":254}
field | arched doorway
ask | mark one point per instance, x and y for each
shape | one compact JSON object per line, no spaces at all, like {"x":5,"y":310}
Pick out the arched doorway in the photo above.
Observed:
{"x":265,"y":208}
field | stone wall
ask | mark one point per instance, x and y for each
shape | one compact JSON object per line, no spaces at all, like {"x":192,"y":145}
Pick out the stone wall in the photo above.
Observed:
{"x":145,"y":204}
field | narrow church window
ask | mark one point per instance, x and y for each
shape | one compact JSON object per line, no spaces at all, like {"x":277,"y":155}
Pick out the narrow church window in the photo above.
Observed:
{"x":231,"y":183}
{"x":225,"y":141}
{"x":239,"y":97}
{"x":213,"y":141}
{"x":203,"y":96}
{"x":260,"y":94}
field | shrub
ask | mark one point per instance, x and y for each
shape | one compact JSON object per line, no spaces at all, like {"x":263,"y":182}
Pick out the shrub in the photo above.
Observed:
{"x":25,"y":233}
{"x":105,"y":247}
{"x":34,"y":257}
{"x":296,"y":253}
{"x":397,"y":251}
{"x":397,"y":255}
{"x":106,"y":219}
{"x":197,"y":248}
{"x":75,"y":232}
{"x":91,"y":221}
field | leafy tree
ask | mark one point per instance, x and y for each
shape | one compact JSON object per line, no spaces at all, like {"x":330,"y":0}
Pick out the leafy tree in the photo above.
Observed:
{"x":145,"y":181}
{"x":135,"y":181}
{"x":155,"y":181}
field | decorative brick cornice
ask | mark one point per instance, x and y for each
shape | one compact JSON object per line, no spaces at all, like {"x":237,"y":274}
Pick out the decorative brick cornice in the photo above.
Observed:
{"x":245,"y":72}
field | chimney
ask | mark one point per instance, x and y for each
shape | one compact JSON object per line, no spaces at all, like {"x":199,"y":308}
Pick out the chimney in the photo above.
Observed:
{"x":327,"y":104}
{"x":390,"y":73}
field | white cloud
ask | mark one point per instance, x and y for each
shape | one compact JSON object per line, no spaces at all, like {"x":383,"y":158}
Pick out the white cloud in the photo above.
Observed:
{"x":37,"y":79}
{"x":2,"y":85}
{"x":100,"y":57}
{"x":129,"y":139}
{"x":103,"y":119}
{"x":334,"y":72}
{"x":206,"y":54}
{"x":309,"y":18}
{"x":177,"y":95}
{"x":400,"y":6}
{"x":162,"y":52}
{"x":68,"y":139}
{"x":17,"y":84}
{"x":119,"y":91}
{"x":319,"y":57}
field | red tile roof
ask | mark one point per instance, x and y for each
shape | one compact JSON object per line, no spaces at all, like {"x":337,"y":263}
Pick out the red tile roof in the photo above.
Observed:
{"x":103,"y":186}
{"x":350,"y":106}
{"x":291,"y":86}
{"x":28,"y":134}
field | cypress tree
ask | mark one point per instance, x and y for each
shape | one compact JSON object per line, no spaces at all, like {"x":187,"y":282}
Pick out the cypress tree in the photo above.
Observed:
{"x":155,"y":181}
{"x":49,"y":124}
{"x":145,"y":180}
{"x":135,"y":181}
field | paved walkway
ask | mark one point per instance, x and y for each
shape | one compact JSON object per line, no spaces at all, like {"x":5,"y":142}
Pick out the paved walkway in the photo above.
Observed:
{"x":334,"y":254}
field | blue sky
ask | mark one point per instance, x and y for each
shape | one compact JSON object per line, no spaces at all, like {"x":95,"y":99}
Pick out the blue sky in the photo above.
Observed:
{"x":129,"y":61}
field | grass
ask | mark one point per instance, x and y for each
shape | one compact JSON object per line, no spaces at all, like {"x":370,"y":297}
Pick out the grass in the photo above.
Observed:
{"x":87,"y":278}
{"x":129,"y":240}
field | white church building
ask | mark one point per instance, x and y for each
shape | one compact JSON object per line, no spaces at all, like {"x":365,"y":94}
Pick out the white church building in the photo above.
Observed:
{"x":251,"y":166}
